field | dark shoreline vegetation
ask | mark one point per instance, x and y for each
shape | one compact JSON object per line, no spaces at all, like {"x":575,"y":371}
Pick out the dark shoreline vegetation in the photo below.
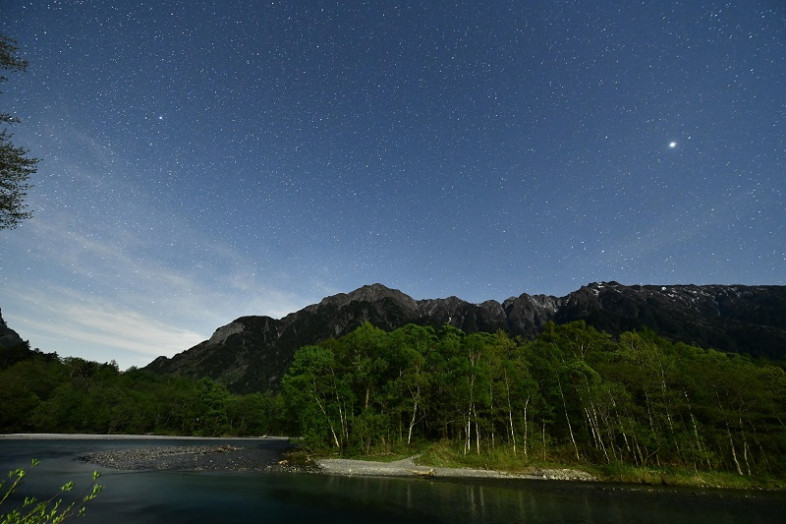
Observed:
{"x":637,"y":408}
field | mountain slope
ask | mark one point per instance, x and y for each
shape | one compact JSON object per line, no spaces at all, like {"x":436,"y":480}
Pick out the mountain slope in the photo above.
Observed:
{"x":12,"y":347}
{"x":8,"y":337}
{"x":252,"y":353}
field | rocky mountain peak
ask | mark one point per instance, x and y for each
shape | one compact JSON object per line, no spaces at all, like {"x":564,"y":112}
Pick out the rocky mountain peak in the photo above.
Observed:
{"x":221,"y":334}
{"x":370,"y":293}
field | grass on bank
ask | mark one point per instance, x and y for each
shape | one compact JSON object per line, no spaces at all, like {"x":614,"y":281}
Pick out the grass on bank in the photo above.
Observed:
{"x":447,"y":454}
{"x":501,"y":458}
{"x":682,"y":476}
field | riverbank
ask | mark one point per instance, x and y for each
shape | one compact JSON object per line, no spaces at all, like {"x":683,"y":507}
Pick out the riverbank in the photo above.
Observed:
{"x":167,"y":497}
{"x":246,"y":454}
{"x":231,"y":457}
{"x":103,"y":436}
{"x":240,"y":454}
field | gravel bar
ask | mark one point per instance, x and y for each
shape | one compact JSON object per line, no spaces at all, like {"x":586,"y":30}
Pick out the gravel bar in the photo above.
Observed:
{"x":188,"y":458}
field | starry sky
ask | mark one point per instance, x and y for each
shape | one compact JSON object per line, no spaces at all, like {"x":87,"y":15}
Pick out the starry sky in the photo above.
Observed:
{"x":206,"y":160}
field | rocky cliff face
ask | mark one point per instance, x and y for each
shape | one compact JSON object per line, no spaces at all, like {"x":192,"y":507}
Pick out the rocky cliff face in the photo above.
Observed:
{"x":12,"y":347}
{"x":252,"y":353}
{"x":8,"y":337}
{"x":740,"y":319}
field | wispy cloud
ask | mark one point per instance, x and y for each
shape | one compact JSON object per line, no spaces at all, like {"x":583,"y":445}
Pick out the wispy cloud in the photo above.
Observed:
{"x":95,"y":294}
{"x":66,"y":315}
{"x":138,"y":284}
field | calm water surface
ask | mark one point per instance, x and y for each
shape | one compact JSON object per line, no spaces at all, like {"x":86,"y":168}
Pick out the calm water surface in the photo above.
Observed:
{"x":175,"y":497}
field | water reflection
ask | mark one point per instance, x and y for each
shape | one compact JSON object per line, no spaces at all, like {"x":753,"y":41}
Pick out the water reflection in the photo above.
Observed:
{"x":175,"y":497}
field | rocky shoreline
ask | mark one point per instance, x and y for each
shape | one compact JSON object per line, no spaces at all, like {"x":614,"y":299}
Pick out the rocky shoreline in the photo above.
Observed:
{"x":227,"y":457}
{"x":178,"y":458}
{"x":123,"y":436}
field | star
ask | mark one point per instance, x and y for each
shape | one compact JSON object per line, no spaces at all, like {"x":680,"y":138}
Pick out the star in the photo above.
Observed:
{"x":672,"y":145}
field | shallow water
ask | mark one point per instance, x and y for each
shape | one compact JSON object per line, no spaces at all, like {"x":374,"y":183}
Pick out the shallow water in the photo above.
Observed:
{"x":175,"y":497}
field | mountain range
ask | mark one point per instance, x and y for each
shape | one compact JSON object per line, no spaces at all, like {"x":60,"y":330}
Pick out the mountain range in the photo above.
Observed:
{"x":252,"y":353}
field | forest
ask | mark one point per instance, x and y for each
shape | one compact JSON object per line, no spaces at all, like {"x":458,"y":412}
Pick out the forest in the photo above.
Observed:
{"x":44,"y":393}
{"x":573,"y":395}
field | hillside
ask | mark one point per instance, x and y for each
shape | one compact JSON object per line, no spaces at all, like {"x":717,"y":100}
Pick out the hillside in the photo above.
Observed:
{"x":252,"y":353}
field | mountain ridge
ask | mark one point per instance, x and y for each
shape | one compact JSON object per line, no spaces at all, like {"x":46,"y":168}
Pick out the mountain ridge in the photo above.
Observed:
{"x":252,"y":353}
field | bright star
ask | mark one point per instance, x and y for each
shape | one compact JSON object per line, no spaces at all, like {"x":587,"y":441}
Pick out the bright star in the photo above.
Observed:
{"x":672,"y":145}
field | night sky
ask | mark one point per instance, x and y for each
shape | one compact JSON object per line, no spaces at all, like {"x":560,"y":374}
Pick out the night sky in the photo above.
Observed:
{"x":206,"y":160}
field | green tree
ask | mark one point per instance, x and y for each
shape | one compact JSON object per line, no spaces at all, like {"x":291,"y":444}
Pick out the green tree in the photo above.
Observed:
{"x":448,"y":367}
{"x":516,"y":389}
{"x":34,"y":511}
{"x":25,"y":385}
{"x":16,"y":166}
{"x":411,"y":346}
{"x":317,"y":396}
{"x":363,"y":352}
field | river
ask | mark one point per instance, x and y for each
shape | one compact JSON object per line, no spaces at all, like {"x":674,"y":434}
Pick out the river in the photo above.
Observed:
{"x":193,"y":497}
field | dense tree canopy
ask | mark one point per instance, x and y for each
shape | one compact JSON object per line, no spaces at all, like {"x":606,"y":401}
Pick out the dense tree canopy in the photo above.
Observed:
{"x":43,"y":393}
{"x":16,"y":166}
{"x":572,"y":395}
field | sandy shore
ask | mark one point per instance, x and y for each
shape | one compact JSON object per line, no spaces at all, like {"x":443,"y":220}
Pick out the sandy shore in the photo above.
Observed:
{"x":408,"y":468}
